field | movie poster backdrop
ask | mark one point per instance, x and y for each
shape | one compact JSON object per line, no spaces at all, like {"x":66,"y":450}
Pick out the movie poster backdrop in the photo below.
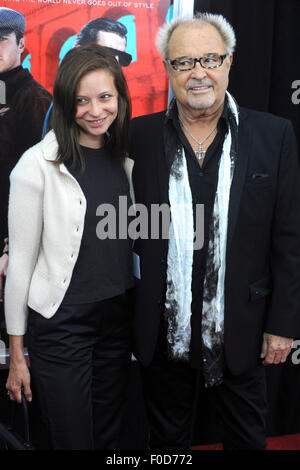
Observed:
{"x":52,"y":27}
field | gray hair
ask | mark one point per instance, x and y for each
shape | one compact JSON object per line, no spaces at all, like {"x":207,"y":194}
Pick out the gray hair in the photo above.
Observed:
{"x":218,"y":21}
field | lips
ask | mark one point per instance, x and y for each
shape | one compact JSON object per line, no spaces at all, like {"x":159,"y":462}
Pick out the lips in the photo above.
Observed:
{"x":96,"y":122}
{"x":199,"y":88}
{"x":196,"y":85}
{"x":203,"y":87}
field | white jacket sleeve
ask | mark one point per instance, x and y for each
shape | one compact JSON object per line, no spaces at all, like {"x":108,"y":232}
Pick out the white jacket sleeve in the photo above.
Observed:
{"x":25,"y":221}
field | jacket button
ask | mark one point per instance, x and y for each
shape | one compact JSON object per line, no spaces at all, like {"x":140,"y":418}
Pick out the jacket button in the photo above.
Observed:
{"x":72,"y":255}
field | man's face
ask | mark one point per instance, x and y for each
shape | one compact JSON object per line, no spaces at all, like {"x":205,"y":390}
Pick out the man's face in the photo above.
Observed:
{"x":198,"y":91}
{"x":10,"y":51}
{"x":112,"y":40}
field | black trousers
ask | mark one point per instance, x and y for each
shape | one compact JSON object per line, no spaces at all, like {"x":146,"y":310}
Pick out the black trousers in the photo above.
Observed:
{"x":170,"y":392}
{"x":79,"y":361}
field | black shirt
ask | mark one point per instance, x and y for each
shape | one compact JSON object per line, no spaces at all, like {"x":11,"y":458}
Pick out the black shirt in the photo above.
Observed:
{"x":203,"y":183}
{"x":104,"y":266}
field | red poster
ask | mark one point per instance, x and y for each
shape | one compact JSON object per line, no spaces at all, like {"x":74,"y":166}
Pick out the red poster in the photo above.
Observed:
{"x":53,"y":25}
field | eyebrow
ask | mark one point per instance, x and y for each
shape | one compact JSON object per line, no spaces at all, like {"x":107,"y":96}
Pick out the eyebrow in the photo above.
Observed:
{"x":203,"y":55}
{"x":82,"y":95}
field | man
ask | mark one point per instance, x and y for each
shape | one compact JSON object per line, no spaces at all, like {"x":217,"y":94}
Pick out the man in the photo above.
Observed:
{"x":105,"y":32}
{"x":214,"y":316}
{"x":22,"y":114}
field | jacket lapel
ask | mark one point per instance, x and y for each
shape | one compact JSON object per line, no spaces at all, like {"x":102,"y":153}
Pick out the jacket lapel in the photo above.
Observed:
{"x":163,"y":153}
{"x":128,"y":167}
{"x":244,"y":148}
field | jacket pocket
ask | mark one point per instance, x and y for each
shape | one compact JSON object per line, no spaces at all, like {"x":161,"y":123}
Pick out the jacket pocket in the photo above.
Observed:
{"x":251,"y":182}
{"x":260,"y":289}
{"x":258,"y":202}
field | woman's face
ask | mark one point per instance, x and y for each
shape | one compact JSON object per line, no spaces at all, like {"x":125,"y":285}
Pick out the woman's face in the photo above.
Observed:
{"x":96,"y":107}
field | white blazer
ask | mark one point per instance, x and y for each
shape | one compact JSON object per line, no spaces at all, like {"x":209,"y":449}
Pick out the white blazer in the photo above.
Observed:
{"x":45,"y":220}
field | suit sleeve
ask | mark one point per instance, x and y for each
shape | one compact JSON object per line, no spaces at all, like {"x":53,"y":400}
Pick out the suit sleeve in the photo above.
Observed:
{"x":25,"y":216}
{"x":29,"y":116}
{"x":33,"y":110}
{"x":284,"y":312}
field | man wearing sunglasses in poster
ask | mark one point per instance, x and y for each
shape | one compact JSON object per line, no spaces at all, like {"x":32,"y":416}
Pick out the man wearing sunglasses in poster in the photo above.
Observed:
{"x":23,"y":106}
{"x":108,"y":33}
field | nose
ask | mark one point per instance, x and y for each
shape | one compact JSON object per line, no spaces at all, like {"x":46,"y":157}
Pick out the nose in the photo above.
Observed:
{"x":95,"y":108}
{"x":198,"y":71}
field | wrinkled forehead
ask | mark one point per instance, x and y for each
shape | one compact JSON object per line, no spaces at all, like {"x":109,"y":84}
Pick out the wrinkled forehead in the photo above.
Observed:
{"x":190,"y":40}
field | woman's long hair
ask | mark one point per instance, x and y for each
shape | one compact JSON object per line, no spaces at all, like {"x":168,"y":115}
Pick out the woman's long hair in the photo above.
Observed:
{"x":76,"y":64}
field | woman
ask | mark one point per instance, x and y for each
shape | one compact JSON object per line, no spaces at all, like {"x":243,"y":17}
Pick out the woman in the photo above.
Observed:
{"x":71,"y":288}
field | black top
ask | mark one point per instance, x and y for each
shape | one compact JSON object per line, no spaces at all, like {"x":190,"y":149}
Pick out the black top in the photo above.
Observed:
{"x":203,"y":183}
{"x":104,"y":266}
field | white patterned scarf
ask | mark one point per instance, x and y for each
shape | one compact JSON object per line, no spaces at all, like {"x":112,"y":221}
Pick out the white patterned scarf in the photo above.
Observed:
{"x":180,"y":256}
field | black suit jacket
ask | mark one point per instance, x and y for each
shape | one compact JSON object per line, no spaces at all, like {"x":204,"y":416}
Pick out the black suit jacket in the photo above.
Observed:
{"x":262,"y":284}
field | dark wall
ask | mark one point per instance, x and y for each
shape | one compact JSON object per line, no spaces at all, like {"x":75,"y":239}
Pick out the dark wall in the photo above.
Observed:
{"x":266,"y":64}
{"x":267,"y":60}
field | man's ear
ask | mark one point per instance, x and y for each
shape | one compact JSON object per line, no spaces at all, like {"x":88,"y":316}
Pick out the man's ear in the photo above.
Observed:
{"x":166,"y":66}
{"x":230,"y":61}
{"x":21,"y":45}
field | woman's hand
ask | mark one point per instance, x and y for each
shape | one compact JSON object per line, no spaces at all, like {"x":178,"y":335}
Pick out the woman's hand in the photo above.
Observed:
{"x":19,"y":375}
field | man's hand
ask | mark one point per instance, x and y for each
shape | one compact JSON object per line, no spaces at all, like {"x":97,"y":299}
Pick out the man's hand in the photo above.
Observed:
{"x":275,"y":349}
{"x":3,"y":269}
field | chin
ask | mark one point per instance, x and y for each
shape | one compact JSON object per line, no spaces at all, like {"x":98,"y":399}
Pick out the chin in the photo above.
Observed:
{"x":201,"y":104}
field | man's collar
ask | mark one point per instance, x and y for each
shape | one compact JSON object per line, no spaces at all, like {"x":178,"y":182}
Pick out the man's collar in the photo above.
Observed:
{"x":11,"y":73}
{"x":225,"y":112}
{"x":172,"y":112}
